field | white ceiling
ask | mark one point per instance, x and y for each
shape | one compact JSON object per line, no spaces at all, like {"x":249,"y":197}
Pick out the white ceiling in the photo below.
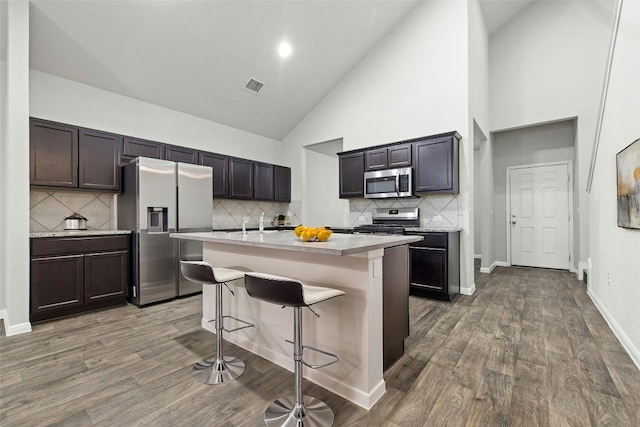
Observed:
{"x":195,"y":56}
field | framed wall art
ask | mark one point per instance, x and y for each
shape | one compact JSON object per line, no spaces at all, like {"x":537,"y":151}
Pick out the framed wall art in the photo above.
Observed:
{"x":628,"y":173}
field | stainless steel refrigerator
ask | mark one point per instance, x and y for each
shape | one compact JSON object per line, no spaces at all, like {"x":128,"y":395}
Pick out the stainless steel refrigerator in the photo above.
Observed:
{"x":160,"y":197}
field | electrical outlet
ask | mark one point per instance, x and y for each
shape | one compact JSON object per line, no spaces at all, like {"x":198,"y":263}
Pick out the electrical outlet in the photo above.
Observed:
{"x":609,"y":281}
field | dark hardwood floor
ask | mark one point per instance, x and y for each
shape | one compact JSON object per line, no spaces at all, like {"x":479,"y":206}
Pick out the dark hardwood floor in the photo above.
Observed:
{"x":528,"y":348}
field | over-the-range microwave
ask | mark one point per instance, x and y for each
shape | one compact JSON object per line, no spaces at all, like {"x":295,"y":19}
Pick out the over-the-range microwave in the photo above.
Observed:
{"x":388,"y":183}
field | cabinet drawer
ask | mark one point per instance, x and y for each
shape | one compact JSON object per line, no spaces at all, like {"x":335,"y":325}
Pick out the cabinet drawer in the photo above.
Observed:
{"x":76,"y":245}
{"x":432,"y":240}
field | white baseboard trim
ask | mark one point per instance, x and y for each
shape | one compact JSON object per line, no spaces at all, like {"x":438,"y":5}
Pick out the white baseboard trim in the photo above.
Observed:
{"x":477,"y":256}
{"x":468,"y":290}
{"x":624,"y":339}
{"x":360,"y":398}
{"x":3,"y":314}
{"x":20,"y":328}
{"x":493,"y":265}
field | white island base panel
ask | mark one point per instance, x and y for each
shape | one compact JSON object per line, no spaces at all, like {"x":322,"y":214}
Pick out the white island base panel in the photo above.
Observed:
{"x":349,"y":326}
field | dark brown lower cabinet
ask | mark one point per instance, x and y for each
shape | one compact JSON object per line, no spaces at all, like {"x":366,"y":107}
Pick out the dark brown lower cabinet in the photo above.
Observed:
{"x":74,"y":274}
{"x":435,"y":265}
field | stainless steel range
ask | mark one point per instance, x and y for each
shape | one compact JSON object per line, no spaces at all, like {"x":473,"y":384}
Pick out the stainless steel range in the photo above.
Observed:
{"x":391,"y":221}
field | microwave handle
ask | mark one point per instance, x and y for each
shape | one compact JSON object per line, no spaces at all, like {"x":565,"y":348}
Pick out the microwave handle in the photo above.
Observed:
{"x":398,"y":184}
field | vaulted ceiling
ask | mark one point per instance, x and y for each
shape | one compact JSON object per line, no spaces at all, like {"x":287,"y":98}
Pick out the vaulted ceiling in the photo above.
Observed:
{"x":197,"y":56}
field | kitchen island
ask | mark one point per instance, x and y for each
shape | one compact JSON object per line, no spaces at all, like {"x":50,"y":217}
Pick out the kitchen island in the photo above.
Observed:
{"x":350,"y":326}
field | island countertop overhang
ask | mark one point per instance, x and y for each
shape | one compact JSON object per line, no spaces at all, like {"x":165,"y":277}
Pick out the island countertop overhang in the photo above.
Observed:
{"x":338,"y":244}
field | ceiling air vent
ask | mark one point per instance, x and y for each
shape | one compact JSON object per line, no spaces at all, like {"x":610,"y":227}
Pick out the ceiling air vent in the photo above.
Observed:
{"x":253,"y":85}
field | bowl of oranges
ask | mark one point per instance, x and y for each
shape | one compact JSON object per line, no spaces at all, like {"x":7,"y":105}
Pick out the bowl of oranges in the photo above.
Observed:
{"x":311,"y":234}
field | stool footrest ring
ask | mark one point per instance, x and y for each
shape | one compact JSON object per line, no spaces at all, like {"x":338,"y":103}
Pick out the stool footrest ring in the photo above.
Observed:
{"x":335,"y":357}
{"x":247,"y":324}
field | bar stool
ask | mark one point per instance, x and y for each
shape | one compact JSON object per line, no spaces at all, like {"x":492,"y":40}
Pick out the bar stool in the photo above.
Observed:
{"x":299,"y":411}
{"x":218,"y":369}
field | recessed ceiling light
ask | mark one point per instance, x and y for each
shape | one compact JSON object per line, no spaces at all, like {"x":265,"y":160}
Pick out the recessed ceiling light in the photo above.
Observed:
{"x":284,"y":49}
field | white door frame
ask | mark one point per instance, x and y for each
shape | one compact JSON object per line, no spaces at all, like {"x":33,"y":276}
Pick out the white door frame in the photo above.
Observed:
{"x":569,"y":164}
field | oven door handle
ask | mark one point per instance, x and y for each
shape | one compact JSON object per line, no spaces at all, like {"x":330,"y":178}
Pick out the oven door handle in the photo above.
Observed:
{"x":398,"y":185}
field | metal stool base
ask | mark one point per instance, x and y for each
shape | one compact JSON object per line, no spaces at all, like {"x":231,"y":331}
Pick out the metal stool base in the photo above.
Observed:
{"x":283,"y":413}
{"x":216,"y":371}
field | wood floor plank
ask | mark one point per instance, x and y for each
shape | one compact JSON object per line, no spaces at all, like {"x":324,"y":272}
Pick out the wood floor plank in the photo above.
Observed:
{"x":469,"y":370}
{"x":453,"y":406}
{"x":567,"y":405}
{"x":556,"y":337}
{"x":529,"y":397}
{"x":532,"y":347}
{"x":503,"y":353}
{"x":591,"y":367}
{"x":606,"y":410}
{"x":492,"y":404}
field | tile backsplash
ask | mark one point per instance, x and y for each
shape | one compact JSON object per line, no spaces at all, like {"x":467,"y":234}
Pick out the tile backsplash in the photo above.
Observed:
{"x":47,"y":210}
{"x":435,"y":211}
{"x":230,"y":213}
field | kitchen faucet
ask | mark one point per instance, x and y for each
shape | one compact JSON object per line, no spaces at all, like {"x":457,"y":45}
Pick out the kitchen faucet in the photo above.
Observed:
{"x":244,"y":226}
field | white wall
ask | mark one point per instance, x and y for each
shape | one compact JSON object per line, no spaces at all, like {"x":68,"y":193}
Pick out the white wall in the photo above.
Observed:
{"x":321,"y":205}
{"x":548,"y":64}
{"x":14,"y":277}
{"x":477,"y":203}
{"x":66,"y":101}
{"x":615,"y":250}
{"x":487,"y":210}
{"x":3,"y":143}
{"x":478,"y":124}
{"x":414,"y":83}
{"x":536,"y":144}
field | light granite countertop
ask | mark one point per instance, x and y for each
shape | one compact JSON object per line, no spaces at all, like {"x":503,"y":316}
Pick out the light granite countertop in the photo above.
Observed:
{"x":77,"y":233}
{"x":338,"y":244}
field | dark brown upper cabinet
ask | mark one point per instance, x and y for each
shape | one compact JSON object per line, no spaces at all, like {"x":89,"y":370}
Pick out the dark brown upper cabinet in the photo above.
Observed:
{"x":375,"y":159}
{"x":282,"y":184}
{"x":220,"y":165}
{"x":351,"y":170}
{"x":399,"y":156}
{"x":181,"y":154}
{"x":134,"y":147}
{"x":99,"y":160}
{"x":72,"y":157}
{"x":436,"y":165}
{"x":388,"y":157}
{"x":263,"y":181}
{"x":240,"y":178}
{"x":53,"y":154}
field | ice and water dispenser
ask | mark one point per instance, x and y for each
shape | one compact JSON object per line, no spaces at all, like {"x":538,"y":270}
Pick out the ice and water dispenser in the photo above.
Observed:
{"x":157,"y":220}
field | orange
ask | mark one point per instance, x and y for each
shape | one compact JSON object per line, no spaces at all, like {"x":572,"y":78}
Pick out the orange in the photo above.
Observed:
{"x":324,"y":235}
{"x":307,"y":236}
{"x":299,"y":230}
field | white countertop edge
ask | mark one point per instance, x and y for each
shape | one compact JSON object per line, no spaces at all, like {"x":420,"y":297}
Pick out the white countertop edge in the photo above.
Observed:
{"x":77,"y":233}
{"x":434,"y":229}
{"x":338,"y":244}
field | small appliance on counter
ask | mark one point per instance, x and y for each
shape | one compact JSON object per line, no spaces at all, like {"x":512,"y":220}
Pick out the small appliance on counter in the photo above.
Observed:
{"x":75,"y":221}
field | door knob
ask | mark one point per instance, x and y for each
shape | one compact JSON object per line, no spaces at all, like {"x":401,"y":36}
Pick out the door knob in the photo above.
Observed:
{"x":513,"y":222}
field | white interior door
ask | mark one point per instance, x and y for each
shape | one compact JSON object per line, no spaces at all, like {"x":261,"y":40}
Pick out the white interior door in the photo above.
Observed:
{"x":539,"y":216}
